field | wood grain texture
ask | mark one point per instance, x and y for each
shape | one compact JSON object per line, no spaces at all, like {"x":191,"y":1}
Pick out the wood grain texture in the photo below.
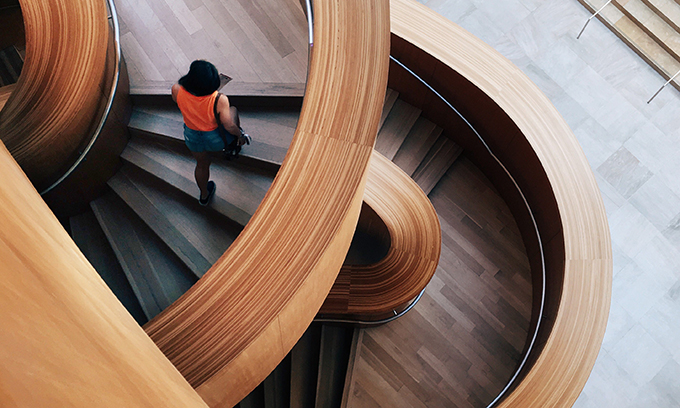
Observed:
{"x":56,"y":99}
{"x":230,"y":330}
{"x":65,"y":339}
{"x":363,"y":291}
{"x":562,"y":368}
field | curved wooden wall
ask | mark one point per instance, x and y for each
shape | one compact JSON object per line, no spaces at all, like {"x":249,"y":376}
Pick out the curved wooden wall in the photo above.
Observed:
{"x":59,"y":92}
{"x":531,"y":139}
{"x":66,"y":340}
{"x":375,"y":291}
{"x":232,"y":328}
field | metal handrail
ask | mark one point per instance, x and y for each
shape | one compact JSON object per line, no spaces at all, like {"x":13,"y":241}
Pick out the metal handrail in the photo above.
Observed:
{"x":310,"y":22}
{"x":663,"y":86}
{"x":373,"y":322}
{"x":116,"y":39}
{"x":591,"y":17}
{"x":533,"y":220}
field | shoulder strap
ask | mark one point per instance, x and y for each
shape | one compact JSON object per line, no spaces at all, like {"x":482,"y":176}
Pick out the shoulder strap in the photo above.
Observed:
{"x":215,"y":113}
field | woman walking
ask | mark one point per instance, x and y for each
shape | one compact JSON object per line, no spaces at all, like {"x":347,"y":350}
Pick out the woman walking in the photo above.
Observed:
{"x":198,"y":100}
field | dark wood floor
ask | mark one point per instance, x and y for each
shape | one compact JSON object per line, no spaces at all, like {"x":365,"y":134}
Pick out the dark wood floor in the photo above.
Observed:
{"x":461,"y":343}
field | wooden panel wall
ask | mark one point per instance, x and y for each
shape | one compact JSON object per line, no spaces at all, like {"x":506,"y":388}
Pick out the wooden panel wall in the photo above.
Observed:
{"x":527,"y":133}
{"x":230,"y":330}
{"x":58,"y":94}
{"x":66,"y":341}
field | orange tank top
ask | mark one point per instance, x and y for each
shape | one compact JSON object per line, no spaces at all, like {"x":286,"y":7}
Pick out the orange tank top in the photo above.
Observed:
{"x":197,"y":111}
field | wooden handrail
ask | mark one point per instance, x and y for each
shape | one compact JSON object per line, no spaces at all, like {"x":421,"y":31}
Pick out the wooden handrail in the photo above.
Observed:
{"x":576,"y":236}
{"x":57,"y":96}
{"x":377,"y":290}
{"x":230,"y":330}
{"x":65,"y":339}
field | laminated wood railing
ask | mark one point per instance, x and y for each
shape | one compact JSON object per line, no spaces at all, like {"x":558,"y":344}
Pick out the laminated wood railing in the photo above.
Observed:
{"x":230,"y":330}
{"x":65,"y":340}
{"x":520,"y":127}
{"x":58,"y":96}
{"x":379,"y":290}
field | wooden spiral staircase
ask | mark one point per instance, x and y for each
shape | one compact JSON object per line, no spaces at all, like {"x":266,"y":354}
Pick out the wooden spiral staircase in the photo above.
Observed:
{"x":66,"y":324}
{"x":151,"y":241}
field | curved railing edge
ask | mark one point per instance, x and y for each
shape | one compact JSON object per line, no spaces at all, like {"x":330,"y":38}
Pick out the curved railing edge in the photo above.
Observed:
{"x":109,"y":104}
{"x":595,"y":256}
{"x":534,"y":335}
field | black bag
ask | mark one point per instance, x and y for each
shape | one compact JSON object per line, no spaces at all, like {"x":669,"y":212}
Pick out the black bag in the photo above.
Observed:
{"x":231,"y":150}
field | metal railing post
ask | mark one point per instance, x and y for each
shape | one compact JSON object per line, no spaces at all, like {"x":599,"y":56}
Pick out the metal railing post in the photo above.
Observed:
{"x":591,"y":17}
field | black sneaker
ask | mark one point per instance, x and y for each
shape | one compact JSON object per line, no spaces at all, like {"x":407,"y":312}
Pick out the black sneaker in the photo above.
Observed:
{"x":211,"y":192}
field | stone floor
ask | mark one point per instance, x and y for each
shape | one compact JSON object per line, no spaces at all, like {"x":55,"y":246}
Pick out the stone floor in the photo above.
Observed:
{"x":601,"y":88}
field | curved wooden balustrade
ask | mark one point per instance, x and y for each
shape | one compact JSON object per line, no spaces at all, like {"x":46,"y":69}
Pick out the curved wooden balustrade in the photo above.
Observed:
{"x":230,"y":330}
{"x":66,"y":340}
{"x":378,"y":289}
{"x":543,"y":155}
{"x":58,"y":94}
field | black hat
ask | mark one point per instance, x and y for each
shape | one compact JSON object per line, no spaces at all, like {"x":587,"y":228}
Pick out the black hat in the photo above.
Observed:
{"x":202,"y":79}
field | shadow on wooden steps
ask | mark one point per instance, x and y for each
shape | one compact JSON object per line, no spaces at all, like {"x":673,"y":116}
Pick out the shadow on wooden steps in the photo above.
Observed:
{"x":315,"y":374}
{"x":156,"y":275}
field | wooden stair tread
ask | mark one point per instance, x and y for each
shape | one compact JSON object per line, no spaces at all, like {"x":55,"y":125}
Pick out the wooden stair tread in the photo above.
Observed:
{"x":668,"y":10}
{"x":652,"y":25}
{"x":631,"y":34}
{"x":91,"y":240}
{"x":305,"y":368}
{"x":239,"y":190}
{"x":334,"y":355}
{"x":396,"y":127}
{"x":647,"y":48}
{"x":272,"y":129}
{"x":196,"y":235}
{"x":419,"y":141}
{"x":156,"y":276}
{"x":390,"y":98}
{"x":11,"y":64}
{"x":5,"y":92}
{"x":437,"y":161}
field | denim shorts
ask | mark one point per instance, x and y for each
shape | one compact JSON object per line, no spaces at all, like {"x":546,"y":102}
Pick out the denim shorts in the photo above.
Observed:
{"x":202,"y":141}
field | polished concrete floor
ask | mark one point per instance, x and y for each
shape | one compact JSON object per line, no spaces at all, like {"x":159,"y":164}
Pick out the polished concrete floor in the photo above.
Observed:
{"x":601,"y":87}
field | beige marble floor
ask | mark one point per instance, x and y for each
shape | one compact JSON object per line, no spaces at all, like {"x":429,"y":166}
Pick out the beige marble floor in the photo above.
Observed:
{"x":601,"y":87}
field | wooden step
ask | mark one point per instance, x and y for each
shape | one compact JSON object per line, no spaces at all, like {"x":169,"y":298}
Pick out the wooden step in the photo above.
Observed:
{"x":668,"y":10}
{"x":277,"y":386}
{"x":305,"y":368}
{"x":196,"y":235}
{"x":255,"y":399}
{"x":390,"y":98}
{"x":240,"y":189}
{"x":336,"y":343}
{"x":155,"y":274}
{"x":91,"y":240}
{"x":419,"y":141}
{"x":272,"y":129}
{"x":396,"y":127}
{"x":636,"y":38}
{"x":354,"y":353}
{"x":5,"y":92}
{"x":11,"y":64}
{"x":652,"y":25}
{"x":437,"y":161}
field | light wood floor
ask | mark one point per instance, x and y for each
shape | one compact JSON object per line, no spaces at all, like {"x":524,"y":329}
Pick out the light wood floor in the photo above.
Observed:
{"x":253,"y":41}
{"x":461,"y":343}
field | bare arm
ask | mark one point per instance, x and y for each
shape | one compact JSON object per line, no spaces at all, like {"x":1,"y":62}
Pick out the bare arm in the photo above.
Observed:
{"x":175,"y":91}
{"x":225,"y":116}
